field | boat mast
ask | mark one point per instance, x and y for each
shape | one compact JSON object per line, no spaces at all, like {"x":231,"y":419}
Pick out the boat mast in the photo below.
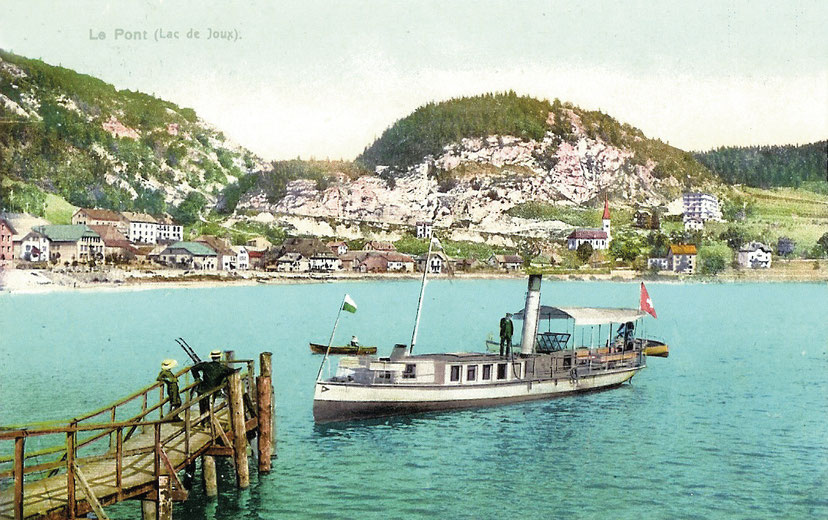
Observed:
{"x":330,"y":341}
{"x":422,"y":292}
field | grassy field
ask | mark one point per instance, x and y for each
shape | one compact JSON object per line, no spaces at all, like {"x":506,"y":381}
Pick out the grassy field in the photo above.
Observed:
{"x":58,"y":211}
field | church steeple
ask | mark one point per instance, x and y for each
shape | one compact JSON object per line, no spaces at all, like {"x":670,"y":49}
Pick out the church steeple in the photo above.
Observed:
{"x":606,"y":219}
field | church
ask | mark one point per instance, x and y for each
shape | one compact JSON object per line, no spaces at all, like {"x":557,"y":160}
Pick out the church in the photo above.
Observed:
{"x":597,"y":238}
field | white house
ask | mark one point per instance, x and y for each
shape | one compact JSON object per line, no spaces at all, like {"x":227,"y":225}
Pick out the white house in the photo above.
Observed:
{"x":142,"y":229}
{"x":169,"y":230}
{"x":34,"y":247}
{"x":338,"y":247}
{"x":436,"y":262}
{"x":597,"y":238}
{"x":659,"y":264}
{"x":755,"y":256}
{"x":702,"y":206}
{"x":324,"y":261}
{"x":425,"y":229}
{"x":242,"y":258}
{"x":681,"y":258}
{"x":693,"y":224}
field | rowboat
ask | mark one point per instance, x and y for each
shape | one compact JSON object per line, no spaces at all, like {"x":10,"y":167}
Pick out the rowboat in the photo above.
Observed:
{"x":347,"y":350}
{"x":655,"y":348}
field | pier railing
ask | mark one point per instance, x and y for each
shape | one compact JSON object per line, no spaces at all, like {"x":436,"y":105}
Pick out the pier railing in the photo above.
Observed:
{"x":101,"y":437}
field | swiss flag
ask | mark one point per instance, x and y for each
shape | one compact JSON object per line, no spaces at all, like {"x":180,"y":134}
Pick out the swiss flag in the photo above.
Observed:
{"x":646,"y":304}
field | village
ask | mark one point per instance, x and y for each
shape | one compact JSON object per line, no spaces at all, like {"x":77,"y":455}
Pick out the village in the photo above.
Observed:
{"x":102,"y":240}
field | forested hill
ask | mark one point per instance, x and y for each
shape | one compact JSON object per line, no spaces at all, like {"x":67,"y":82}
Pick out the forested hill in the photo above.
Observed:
{"x":81,"y":139}
{"x":771,"y":166}
{"x":432,"y":127}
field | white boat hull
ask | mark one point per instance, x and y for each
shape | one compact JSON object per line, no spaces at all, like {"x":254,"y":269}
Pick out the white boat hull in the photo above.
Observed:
{"x":339,"y":401}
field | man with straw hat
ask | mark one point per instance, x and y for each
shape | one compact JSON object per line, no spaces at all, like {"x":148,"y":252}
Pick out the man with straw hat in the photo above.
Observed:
{"x":167,"y":377}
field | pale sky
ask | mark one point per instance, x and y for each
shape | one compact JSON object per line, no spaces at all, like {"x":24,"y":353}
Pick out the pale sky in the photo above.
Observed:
{"x":323,"y":79}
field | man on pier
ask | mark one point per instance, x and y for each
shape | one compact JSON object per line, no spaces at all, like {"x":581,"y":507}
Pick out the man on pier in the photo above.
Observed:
{"x":210,"y":374}
{"x":507,"y":329}
{"x":171,"y":381}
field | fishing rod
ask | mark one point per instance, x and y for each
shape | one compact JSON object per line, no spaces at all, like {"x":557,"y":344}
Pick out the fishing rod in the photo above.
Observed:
{"x":188,"y":350}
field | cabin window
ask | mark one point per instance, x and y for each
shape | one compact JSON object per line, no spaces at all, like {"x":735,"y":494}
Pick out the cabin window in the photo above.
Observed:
{"x":455,"y":373}
{"x":516,"y":369}
{"x":471,"y":373}
{"x":409,"y":372}
{"x":501,"y":370}
{"x":487,"y":372}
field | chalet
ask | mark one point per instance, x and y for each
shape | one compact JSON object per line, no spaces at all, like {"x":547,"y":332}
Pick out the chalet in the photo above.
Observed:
{"x":597,"y":238}
{"x":681,"y":258}
{"x":72,"y":243}
{"x":755,"y":255}
{"x":642,"y":219}
{"x":34,"y":247}
{"x":226,"y":259}
{"x":258,"y":244}
{"x":378,"y":245}
{"x":338,"y":248}
{"x":507,"y":262}
{"x":21,"y":224}
{"x":100,"y":217}
{"x":142,"y":228}
{"x":350,"y":261}
{"x":304,"y":246}
{"x":255,"y":258}
{"x":373,"y":263}
{"x":438,"y":261}
{"x":169,"y":231}
{"x":324,"y":261}
{"x":7,"y":233}
{"x":465,"y":264}
{"x":424,"y":229}
{"x":399,"y":262}
{"x":292,"y":262}
{"x":189,"y":255}
{"x":116,"y":246}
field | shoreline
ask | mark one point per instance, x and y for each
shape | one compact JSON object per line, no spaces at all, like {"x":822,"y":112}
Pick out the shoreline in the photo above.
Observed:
{"x":36,"y":281}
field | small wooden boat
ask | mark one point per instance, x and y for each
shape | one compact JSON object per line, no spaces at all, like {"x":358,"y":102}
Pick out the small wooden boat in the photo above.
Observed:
{"x":655,"y":348}
{"x":348,"y":350}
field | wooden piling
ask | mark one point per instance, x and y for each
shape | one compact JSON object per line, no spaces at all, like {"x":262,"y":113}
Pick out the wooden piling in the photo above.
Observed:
{"x":264,"y":401}
{"x":148,"y":510}
{"x":19,"y":456}
{"x":165,"y":497}
{"x":237,"y":424}
{"x":208,"y":475}
{"x":70,"y":474}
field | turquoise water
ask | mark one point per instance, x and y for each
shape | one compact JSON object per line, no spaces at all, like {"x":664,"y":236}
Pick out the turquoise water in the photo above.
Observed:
{"x":734,"y":424}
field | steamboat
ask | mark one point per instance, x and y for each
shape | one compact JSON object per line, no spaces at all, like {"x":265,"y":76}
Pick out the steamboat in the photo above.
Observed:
{"x":548,"y":364}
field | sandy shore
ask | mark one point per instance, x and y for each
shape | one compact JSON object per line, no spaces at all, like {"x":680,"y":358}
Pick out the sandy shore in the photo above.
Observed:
{"x":36,"y":281}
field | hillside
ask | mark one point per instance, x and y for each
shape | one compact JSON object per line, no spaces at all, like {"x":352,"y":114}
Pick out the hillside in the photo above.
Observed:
{"x":771,"y":166}
{"x":467,"y":162}
{"x":77,"y":137}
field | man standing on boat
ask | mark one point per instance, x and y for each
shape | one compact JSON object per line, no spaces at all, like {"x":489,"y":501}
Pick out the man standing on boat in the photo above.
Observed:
{"x":507,"y":329}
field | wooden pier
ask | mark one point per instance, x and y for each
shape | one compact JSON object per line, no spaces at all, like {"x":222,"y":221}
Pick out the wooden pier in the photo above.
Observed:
{"x":134,"y":449}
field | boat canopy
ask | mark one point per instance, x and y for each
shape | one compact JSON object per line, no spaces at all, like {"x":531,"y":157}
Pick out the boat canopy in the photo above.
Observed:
{"x":586,"y":315}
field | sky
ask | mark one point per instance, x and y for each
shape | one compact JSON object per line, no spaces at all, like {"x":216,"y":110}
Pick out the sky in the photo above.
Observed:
{"x":323,"y":79}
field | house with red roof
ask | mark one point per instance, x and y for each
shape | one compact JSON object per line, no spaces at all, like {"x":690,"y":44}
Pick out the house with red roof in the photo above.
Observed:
{"x":7,"y":233}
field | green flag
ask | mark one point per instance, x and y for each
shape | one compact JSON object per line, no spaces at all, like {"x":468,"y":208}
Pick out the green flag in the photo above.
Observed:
{"x":349,"y":304}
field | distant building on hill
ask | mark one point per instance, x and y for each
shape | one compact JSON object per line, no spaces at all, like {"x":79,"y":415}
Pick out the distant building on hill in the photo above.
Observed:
{"x":507,"y":262}
{"x":142,"y":228}
{"x":338,"y":247}
{"x":100,"y":217}
{"x":681,"y":258}
{"x":378,"y":245}
{"x":701,"y":206}
{"x":424,"y":229}
{"x":7,"y":233}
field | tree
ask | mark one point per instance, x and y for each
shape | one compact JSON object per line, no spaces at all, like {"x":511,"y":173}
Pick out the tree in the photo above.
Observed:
{"x":713,"y":259}
{"x":584,"y":252}
{"x":734,"y":237}
{"x":189,"y":211}
{"x":823,"y":242}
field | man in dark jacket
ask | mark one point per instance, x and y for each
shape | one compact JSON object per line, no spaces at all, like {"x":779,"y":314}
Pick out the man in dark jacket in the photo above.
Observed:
{"x":210,"y":374}
{"x":507,"y":329}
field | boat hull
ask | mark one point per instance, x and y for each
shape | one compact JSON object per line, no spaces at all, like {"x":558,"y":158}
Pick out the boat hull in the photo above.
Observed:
{"x":335,"y":401}
{"x":346,"y":350}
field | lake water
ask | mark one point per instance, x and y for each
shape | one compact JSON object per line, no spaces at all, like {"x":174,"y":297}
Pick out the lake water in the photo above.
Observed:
{"x":734,"y":424}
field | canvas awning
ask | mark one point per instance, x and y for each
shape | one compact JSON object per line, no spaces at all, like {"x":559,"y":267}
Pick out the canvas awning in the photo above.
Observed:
{"x":586,"y":315}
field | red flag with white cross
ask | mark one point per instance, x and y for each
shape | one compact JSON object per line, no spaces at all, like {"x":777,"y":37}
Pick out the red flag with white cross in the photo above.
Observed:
{"x":646,"y":304}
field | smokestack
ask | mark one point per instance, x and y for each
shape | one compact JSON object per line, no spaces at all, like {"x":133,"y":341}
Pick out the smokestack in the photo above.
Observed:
{"x":530,"y":315}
